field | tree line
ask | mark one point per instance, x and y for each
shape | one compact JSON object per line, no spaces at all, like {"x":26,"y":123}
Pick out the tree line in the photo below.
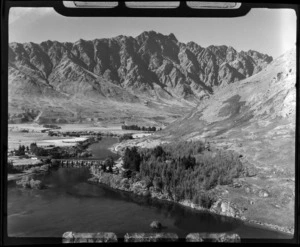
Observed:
{"x":135,"y":127}
{"x":125,"y":137}
{"x":55,"y":152}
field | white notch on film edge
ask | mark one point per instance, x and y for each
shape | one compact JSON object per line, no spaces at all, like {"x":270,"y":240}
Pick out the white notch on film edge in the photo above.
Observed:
{"x":81,"y":4}
{"x":152,"y":4}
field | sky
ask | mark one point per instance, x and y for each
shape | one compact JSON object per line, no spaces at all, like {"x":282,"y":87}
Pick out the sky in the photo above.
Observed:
{"x":270,"y":31}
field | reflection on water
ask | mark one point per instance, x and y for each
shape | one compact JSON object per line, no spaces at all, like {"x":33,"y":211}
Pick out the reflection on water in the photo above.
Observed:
{"x":72,"y":204}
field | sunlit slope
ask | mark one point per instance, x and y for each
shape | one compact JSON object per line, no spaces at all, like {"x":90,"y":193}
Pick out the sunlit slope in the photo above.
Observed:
{"x":256,"y":118}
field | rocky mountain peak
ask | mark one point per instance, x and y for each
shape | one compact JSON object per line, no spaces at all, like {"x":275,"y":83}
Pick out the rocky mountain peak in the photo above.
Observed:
{"x":173,"y":37}
{"x":151,"y":65}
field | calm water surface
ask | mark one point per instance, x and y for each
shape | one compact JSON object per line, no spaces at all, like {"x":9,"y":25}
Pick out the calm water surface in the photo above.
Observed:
{"x":72,"y":204}
{"x":100,"y":149}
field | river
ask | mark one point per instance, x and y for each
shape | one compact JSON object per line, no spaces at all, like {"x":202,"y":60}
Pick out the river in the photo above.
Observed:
{"x":72,"y":204}
{"x":100,"y":149}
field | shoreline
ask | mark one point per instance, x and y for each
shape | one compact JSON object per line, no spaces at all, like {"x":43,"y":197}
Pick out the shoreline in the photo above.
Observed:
{"x":162,"y":198}
{"x":282,"y":229}
{"x":192,"y":206}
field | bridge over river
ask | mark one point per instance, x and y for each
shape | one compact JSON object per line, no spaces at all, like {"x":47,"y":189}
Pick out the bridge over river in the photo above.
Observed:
{"x":78,"y":162}
{"x":75,"y":163}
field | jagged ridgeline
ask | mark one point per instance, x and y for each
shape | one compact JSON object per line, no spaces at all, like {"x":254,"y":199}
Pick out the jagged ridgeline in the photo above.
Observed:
{"x":151,"y":66}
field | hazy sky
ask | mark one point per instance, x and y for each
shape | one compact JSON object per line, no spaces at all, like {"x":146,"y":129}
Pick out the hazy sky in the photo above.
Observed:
{"x":269,"y":31}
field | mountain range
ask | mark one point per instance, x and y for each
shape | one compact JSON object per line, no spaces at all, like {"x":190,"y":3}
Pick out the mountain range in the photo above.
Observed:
{"x":152,"y":70}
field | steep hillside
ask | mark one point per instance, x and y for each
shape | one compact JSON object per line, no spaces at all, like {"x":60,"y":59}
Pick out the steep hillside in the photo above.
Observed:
{"x":266,"y":97}
{"x":255,"y":118}
{"x":151,"y":67}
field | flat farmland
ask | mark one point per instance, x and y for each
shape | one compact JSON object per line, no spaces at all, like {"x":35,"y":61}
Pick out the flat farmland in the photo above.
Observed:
{"x":41,"y":139}
{"x":16,"y":137}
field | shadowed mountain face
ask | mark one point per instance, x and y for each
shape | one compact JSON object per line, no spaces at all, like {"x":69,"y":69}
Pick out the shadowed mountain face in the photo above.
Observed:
{"x":151,"y":66}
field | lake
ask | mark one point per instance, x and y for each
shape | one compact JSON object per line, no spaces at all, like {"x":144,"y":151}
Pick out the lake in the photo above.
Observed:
{"x":72,"y":204}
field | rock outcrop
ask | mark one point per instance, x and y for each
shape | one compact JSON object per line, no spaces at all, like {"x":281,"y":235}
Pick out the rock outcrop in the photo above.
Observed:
{"x":226,"y":208}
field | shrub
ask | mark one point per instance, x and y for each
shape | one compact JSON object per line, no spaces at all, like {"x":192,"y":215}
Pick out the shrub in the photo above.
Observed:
{"x":27,"y":182}
{"x":126,"y":174}
{"x":125,"y":137}
{"x":206,"y":201}
{"x":108,"y":163}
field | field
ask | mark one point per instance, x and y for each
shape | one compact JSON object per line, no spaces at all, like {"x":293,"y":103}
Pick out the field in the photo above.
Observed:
{"x":16,"y":137}
{"x":41,"y":139}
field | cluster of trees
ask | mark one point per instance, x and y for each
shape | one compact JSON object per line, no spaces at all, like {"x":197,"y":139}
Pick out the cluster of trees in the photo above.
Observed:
{"x":55,"y":153}
{"x":38,"y":151}
{"x":132,"y":159}
{"x":108,"y":164}
{"x":135,"y":127}
{"x":21,"y":150}
{"x":75,"y":134}
{"x":125,"y":137}
{"x":33,"y":148}
{"x":183,"y":170}
{"x":185,"y":148}
{"x":51,"y":126}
